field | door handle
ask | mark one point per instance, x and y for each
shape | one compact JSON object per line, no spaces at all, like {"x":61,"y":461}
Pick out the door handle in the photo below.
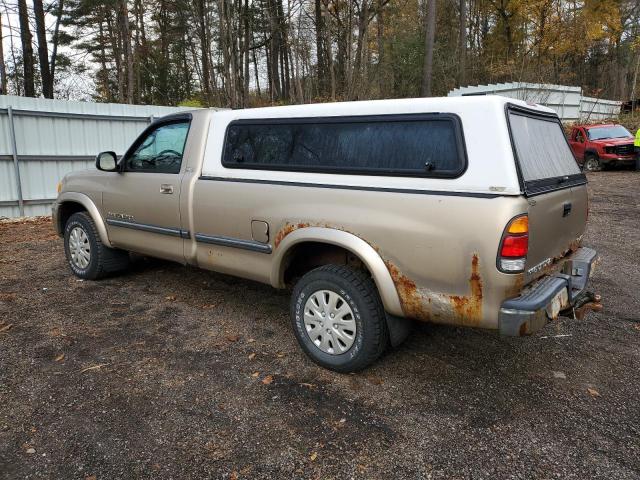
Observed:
{"x":166,"y":188}
{"x":566,"y":209}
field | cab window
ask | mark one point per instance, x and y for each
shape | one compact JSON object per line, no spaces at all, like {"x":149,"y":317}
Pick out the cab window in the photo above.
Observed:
{"x":161,"y":150}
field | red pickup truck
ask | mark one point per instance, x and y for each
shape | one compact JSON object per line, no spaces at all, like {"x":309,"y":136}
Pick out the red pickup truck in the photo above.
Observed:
{"x":604,"y":145}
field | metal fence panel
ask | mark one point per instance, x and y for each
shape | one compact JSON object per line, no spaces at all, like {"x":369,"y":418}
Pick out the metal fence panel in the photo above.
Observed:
{"x":567,"y":101}
{"x":55,"y":137}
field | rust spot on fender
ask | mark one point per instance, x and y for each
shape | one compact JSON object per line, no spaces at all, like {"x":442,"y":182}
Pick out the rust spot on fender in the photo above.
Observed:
{"x":468,"y":308}
{"x":424,"y":305}
{"x":286,"y":230}
{"x":413,"y":304}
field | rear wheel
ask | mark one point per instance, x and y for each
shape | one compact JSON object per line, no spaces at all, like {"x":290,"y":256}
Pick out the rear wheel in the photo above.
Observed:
{"x":87,"y":256}
{"x":338,"y":318}
{"x":592,"y":163}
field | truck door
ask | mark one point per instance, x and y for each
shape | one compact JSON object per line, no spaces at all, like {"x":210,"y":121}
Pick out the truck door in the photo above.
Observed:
{"x":578,"y":143}
{"x":142,"y":204}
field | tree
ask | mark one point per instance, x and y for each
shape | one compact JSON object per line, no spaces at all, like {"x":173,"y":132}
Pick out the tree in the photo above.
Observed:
{"x":3,"y":67}
{"x":429,"y":38}
{"x":27,"y":49}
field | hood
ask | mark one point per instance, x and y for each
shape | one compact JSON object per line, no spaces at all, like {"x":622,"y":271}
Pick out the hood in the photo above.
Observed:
{"x":613,"y":141}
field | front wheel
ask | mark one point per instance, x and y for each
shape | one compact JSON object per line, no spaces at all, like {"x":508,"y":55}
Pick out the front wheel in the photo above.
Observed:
{"x":592,"y":163}
{"x":338,"y":318}
{"x":87,"y":256}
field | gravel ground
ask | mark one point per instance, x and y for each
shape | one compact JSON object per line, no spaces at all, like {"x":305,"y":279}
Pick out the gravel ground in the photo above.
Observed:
{"x":171,"y":372}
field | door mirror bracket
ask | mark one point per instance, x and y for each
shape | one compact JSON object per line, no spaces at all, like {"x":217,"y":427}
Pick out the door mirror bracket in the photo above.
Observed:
{"x":107,"y":162}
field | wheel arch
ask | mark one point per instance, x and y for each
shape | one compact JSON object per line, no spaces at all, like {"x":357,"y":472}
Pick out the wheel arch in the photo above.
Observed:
{"x":348,"y":241}
{"x":69,"y":203}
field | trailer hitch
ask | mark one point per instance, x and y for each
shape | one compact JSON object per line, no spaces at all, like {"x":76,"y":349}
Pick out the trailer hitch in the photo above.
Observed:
{"x":585,"y":302}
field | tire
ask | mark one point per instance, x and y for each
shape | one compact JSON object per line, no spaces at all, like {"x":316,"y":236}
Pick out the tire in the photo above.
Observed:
{"x":592,"y":163}
{"x":358,"y":305}
{"x":81,"y":235}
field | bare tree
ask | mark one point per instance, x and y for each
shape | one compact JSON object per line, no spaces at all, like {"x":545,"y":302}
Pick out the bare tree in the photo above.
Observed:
{"x":429,"y":37}
{"x":27,"y":49}
{"x":462,"y":42}
{"x":3,"y":68}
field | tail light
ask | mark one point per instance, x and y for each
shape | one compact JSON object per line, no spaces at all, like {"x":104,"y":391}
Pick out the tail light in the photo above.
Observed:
{"x":514,"y":245}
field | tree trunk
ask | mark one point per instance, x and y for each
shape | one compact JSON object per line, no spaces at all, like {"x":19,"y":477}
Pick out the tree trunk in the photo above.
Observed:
{"x":357,"y":77}
{"x":127,"y":50}
{"x":27,"y":49}
{"x":429,"y":37}
{"x":246,"y":52}
{"x":462,"y":41}
{"x":54,"y":41}
{"x":43,"y":49}
{"x":320,"y":50}
{"x":3,"y":68}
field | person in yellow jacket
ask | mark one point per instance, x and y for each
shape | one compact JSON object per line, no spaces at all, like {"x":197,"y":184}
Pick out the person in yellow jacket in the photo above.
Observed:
{"x":637,"y":149}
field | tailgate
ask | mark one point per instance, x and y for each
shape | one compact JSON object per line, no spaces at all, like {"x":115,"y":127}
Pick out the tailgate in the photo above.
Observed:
{"x":553,"y":184}
{"x":557,"y":221}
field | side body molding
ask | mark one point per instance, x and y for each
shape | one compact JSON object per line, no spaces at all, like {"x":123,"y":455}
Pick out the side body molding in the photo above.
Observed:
{"x":88,"y":204}
{"x":355,"y":245}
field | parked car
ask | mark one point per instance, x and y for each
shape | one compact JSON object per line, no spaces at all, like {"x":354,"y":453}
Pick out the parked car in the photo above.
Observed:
{"x":604,"y":145}
{"x":460,"y":211}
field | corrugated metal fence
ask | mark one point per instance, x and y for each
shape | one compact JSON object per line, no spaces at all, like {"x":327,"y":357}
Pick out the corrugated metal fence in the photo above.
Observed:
{"x":567,"y":101}
{"x":42,"y":140}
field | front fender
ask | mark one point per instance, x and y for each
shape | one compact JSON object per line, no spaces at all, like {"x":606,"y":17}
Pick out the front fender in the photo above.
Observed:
{"x":90,"y":207}
{"x":355,"y":245}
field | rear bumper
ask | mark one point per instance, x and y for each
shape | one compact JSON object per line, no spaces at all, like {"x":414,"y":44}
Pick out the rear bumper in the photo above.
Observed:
{"x":543,"y":301}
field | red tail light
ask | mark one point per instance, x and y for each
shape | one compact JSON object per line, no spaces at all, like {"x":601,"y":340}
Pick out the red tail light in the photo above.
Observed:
{"x":515,"y":245}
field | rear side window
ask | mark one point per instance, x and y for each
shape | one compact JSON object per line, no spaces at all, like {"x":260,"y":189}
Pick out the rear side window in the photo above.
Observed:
{"x":543,"y":153}
{"x":385,"y":145}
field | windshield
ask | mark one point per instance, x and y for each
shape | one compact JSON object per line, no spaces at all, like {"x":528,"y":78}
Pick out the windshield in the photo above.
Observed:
{"x":614,"y":131}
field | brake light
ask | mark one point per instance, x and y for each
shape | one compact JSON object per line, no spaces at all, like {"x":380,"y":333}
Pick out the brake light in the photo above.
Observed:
{"x":515,"y":245}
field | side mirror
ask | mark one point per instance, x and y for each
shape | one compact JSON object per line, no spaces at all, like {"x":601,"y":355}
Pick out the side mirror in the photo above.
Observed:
{"x":107,"y":162}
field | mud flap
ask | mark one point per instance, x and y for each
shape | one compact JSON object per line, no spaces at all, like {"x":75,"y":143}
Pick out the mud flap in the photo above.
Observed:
{"x":399,"y":329}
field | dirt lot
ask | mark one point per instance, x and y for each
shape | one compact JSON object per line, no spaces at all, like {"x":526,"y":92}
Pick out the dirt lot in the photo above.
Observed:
{"x":171,"y":372}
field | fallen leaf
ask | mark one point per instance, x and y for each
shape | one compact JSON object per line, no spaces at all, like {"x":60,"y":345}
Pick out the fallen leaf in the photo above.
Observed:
{"x":6,"y":327}
{"x":207,"y":306}
{"x":232,"y":338}
{"x":251,"y":340}
{"x":637,"y":326}
{"x":93,"y":367}
{"x":279,"y":355}
{"x":171,"y":298}
{"x":593,"y":392}
{"x":376,"y":381}
{"x":313,"y":457}
{"x":308,"y":385}
{"x":561,"y":375}
{"x":90,"y":477}
{"x":252,"y":356}
{"x":255,"y":374}
{"x":267,"y":380}
{"x":234,"y":475}
{"x":59,"y":358}
{"x":343,"y":420}
{"x":30,"y":451}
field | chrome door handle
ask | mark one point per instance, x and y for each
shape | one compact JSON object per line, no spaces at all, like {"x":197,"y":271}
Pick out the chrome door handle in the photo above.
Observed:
{"x":166,"y":188}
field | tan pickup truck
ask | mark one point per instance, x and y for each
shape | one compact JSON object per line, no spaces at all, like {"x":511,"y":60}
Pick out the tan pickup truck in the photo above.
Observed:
{"x":462,"y":211}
